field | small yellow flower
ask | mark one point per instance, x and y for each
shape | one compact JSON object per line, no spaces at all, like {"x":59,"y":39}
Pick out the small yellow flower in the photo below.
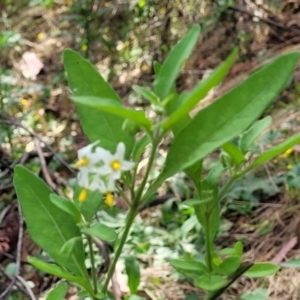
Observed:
{"x":24,"y":101}
{"x":109,"y":199}
{"x":289,"y":166}
{"x":83,"y":195}
{"x":41,"y":35}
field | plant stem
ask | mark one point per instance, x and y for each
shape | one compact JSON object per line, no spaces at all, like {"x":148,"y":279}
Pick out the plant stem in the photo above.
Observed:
{"x":94,"y":273}
{"x":208,"y":244}
{"x":130,"y":218}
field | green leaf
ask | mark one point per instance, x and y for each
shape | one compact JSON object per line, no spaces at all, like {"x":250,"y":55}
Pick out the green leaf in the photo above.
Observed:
{"x":227,"y":117}
{"x":140,"y":146}
{"x":275,"y":151}
{"x":294,"y":263}
{"x":210,"y":282}
{"x":49,"y":226}
{"x":84,"y":79}
{"x":189,"y":267}
{"x":115,"y":108}
{"x":172,"y":65}
{"x":214,"y":175}
{"x":132,"y":269}
{"x":234,"y":153}
{"x":69,"y":245}
{"x":261,"y":270}
{"x":59,"y":292}
{"x":147,"y":94}
{"x":101,"y":231}
{"x":261,"y":294}
{"x":238,"y":247}
{"x":248,"y":138}
{"x":66,"y":205}
{"x":195,"y":202}
{"x":228,"y":266}
{"x":91,"y":205}
{"x":58,"y":271}
{"x":156,"y":67}
{"x":187,"y":101}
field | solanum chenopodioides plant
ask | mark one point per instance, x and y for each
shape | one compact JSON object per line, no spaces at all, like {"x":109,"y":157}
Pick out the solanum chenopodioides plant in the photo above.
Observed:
{"x":119,"y":135}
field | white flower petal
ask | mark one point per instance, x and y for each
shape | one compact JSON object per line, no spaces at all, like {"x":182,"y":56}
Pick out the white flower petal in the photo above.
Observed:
{"x":120,"y":153}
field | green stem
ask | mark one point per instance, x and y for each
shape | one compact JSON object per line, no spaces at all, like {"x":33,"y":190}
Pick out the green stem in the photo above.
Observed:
{"x":222,"y":193}
{"x":94,"y":273}
{"x":208,"y":244}
{"x":130,"y":218}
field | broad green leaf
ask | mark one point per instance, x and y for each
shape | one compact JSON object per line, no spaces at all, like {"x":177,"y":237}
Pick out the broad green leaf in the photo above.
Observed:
{"x":234,"y":152}
{"x":59,"y":292}
{"x":171,"y":67}
{"x":132,"y":269}
{"x":147,"y":94}
{"x":275,"y":151}
{"x":195,"y":202}
{"x":101,"y":231}
{"x":261,"y":270}
{"x":49,"y":226}
{"x":228,"y":266}
{"x":115,"y":108}
{"x":227,"y":117}
{"x":187,"y":101}
{"x":294,"y":263}
{"x":66,"y":205}
{"x":59,"y":272}
{"x":248,"y":138}
{"x":84,"y":79}
{"x":69,"y":245}
{"x":91,"y":205}
{"x":210,"y":282}
{"x":189,"y":267}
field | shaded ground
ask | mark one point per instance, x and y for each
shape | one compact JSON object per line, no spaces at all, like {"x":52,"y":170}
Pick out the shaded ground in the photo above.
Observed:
{"x":123,"y":51}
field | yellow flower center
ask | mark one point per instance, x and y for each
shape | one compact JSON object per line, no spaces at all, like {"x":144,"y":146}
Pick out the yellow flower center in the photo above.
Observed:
{"x":82,"y":162}
{"x":83,"y":195}
{"x":116,"y":165}
{"x":109,"y":200}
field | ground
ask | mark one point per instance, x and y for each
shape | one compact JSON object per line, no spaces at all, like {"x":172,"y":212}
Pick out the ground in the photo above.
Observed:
{"x":122,"y":40}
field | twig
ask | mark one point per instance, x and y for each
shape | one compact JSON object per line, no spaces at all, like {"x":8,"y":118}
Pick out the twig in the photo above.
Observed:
{"x":7,"y":291}
{"x":116,"y":287}
{"x":46,"y":174}
{"x":5,"y":120}
{"x":20,"y":287}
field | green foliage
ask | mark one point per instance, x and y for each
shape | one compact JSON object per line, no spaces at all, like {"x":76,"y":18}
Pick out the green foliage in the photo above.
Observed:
{"x":171,"y":67}
{"x":254,"y":95}
{"x":84,"y":79}
{"x":224,"y":126}
{"x":261,"y":270}
{"x":132,"y":269}
{"x":100,"y":231}
{"x":59,"y":292}
{"x":57,"y":227}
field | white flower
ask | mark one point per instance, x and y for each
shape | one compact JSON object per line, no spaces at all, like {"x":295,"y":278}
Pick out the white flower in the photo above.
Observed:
{"x":114,"y":164}
{"x":88,"y":159}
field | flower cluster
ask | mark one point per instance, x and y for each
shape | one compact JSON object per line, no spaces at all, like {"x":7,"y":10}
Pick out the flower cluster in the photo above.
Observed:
{"x":99,"y":170}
